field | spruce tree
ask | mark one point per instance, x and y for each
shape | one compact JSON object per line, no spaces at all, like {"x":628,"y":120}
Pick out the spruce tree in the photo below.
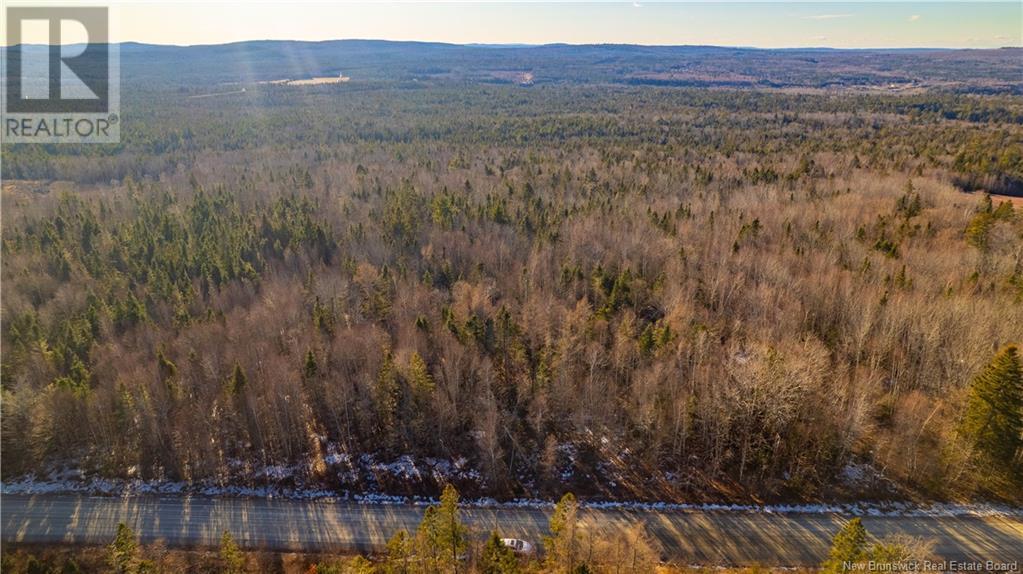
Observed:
{"x":168,"y":374}
{"x":993,"y":421}
{"x":427,"y":546}
{"x":168,"y":370}
{"x":310,"y":368}
{"x":237,"y":381}
{"x":386,"y":396}
{"x":419,"y":375}
{"x":848,"y":546}
{"x":452,"y":535}
{"x":562,"y":544}
{"x":497,"y":558}
{"x":422,"y":388}
{"x":399,"y":553}
{"x":231,"y":558}
{"x":123,"y":552}
{"x":442,"y":538}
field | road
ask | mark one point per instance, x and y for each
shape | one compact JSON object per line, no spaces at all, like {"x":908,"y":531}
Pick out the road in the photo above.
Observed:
{"x":725,"y":538}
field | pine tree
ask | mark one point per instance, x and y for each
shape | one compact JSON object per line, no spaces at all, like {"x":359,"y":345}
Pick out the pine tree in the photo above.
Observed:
{"x":168,"y":370}
{"x":993,"y":421}
{"x":497,"y":558}
{"x":452,"y":534}
{"x":231,"y":558}
{"x":427,"y":545}
{"x":563,"y":543}
{"x":422,"y":387}
{"x":399,"y":553}
{"x":123,"y":552}
{"x":848,"y":546}
{"x":168,"y":374}
{"x":237,"y":381}
{"x":310,"y":368}
{"x":386,"y":397}
{"x":442,"y":538}
{"x":419,"y":375}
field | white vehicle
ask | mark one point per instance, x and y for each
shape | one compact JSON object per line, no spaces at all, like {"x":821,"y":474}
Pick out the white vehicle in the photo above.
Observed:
{"x":519,"y":546}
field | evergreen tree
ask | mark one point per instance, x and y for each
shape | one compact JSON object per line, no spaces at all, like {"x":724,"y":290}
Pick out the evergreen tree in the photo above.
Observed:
{"x":386,"y":396}
{"x":399,"y":553}
{"x":422,"y":387}
{"x":427,"y":545}
{"x":123,"y":553}
{"x":497,"y":558}
{"x":452,"y":534}
{"x":168,"y":374}
{"x":237,"y":381}
{"x":419,"y":375}
{"x":563,"y":543}
{"x":232,"y":561}
{"x":310,"y":368}
{"x":848,"y":546}
{"x":442,"y":536}
{"x":993,"y":421}
{"x":168,"y":370}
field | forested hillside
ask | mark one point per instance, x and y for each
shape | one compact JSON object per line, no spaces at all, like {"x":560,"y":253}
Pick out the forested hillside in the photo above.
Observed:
{"x":632,"y":292}
{"x":188,"y":68}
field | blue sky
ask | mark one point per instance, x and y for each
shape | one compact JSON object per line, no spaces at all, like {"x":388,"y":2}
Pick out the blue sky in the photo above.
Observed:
{"x":758,"y":24}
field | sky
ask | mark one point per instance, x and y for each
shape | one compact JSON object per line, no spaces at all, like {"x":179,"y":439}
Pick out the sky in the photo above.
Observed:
{"x":756,"y":24}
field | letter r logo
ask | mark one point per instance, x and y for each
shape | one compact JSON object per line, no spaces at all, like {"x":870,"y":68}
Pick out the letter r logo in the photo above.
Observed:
{"x":58,"y":60}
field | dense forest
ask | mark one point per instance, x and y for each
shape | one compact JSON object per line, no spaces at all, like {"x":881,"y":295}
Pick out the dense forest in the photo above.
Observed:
{"x":632,"y":292}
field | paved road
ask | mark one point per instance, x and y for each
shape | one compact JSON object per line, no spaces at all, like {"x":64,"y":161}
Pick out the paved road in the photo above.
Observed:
{"x":688,"y":537}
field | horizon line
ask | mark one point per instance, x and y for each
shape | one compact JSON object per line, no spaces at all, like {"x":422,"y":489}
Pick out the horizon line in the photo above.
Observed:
{"x":513,"y":45}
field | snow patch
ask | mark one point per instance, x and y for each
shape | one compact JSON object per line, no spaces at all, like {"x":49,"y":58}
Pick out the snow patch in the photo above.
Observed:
{"x":335,"y":459}
{"x":404,"y":468}
{"x":120,"y":487}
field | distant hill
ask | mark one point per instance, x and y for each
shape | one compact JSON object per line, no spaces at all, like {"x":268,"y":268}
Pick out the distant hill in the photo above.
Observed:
{"x":384,"y":61}
{"x":161,"y":66}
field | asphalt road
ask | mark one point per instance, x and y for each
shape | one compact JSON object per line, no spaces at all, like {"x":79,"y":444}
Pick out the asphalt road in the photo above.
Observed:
{"x":725,"y":538}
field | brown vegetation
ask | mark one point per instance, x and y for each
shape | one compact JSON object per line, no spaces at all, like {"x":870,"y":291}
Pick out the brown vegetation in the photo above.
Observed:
{"x":747,"y":302}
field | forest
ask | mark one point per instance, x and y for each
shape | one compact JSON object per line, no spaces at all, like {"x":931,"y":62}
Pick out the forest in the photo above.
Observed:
{"x":190,"y":69}
{"x":633,"y":292}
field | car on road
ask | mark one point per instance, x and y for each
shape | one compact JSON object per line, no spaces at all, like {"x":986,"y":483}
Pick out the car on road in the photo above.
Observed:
{"x":519,"y":546}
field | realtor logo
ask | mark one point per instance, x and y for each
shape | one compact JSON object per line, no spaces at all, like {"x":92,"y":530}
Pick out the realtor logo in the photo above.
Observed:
{"x":61,"y":76}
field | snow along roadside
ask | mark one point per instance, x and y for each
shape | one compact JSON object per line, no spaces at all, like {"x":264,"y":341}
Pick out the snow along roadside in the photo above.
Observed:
{"x":118,"y":487}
